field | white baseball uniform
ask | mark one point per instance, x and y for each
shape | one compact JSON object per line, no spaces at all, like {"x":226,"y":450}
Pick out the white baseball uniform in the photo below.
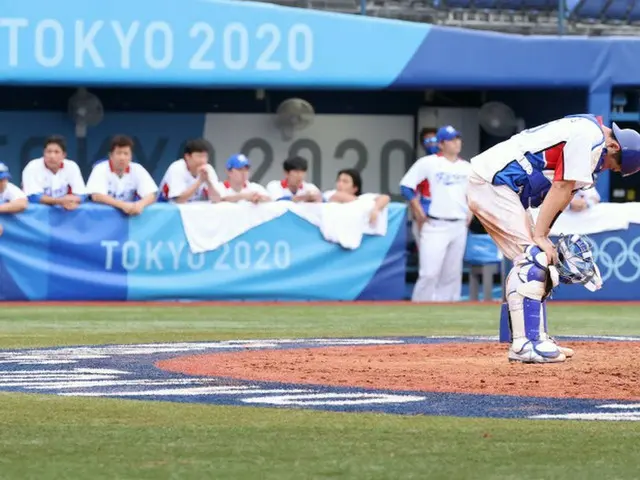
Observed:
{"x":225,"y":189}
{"x":11,"y":193}
{"x":38,"y":180}
{"x":571,"y":148}
{"x":135,"y":181}
{"x":178,"y":179}
{"x":279,"y":190}
{"x":443,"y":237}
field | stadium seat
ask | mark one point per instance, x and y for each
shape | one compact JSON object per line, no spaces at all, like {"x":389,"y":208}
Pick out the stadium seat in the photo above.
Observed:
{"x":634,"y":13}
{"x":489,"y":4}
{"x":457,"y":3}
{"x":590,"y":9}
{"x":540,"y":5}
{"x":619,"y":10}
{"x":484,"y":260}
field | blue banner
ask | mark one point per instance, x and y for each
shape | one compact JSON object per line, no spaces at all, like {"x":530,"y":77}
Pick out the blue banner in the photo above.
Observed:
{"x":617,"y":254}
{"x":97,"y":253}
{"x":253,"y":44}
{"x":199,"y":42}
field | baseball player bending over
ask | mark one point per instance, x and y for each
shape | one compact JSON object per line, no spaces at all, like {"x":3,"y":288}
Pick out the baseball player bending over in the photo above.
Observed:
{"x":120,"y":182}
{"x":542,"y":166}
{"x":349,"y":188}
{"x":237,"y":187}
{"x":12,"y":199}
{"x":53,"y":179}
{"x":443,"y":229}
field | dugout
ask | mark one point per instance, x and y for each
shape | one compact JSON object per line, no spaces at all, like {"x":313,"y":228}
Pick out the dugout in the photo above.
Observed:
{"x":235,"y":57}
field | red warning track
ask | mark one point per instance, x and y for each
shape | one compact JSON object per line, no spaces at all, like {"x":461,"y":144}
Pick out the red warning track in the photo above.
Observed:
{"x":248,"y":303}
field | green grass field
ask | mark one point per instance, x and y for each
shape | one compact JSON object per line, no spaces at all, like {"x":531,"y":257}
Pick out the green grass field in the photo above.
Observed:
{"x":49,"y":437}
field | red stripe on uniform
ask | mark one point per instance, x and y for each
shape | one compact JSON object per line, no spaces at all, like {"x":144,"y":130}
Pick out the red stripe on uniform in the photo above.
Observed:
{"x":424,"y":189}
{"x":554,"y":159}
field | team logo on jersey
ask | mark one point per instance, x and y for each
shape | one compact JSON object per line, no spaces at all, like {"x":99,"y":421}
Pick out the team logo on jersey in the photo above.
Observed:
{"x":451,"y":178}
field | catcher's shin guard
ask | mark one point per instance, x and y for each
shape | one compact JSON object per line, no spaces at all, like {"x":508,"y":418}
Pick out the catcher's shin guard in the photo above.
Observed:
{"x":523,"y":314}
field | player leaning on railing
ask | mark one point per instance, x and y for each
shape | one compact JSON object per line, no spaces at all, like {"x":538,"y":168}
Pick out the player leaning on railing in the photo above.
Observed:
{"x":12,"y":199}
{"x":544,"y":166}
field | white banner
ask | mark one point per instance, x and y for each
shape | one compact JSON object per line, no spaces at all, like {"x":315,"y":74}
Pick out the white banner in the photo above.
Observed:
{"x":381,"y":147}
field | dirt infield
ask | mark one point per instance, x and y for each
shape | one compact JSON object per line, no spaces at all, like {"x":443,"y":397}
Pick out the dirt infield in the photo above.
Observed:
{"x":599,"y":370}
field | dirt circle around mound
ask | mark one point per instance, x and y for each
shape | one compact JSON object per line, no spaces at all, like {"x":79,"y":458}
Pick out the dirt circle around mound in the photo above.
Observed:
{"x":599,"y":370}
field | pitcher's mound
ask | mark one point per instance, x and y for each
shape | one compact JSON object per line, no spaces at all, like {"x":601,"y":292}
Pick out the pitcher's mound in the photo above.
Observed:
{"x":599,"y":370}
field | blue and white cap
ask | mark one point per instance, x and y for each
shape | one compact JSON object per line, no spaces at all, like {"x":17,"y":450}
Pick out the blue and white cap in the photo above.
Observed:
{"x":4,"y":172}
{"x":447,"y":133}
{"x":629,"y":141}
{"x":238,"y":161}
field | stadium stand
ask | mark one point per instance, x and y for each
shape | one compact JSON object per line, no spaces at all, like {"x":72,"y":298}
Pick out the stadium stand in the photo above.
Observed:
{"x":540,"y":17}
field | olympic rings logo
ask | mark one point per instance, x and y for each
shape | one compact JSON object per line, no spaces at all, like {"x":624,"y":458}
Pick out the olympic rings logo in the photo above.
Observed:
{"x":611,"y":262}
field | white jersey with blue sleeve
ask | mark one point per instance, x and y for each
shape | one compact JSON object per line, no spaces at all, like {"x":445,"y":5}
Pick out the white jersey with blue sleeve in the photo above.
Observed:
{"x":448,"y":184}
{"x":571,"y":149}
{"x":11,"y":193}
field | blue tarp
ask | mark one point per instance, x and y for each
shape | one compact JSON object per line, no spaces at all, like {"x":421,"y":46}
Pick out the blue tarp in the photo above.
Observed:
{"x":97,"y":253}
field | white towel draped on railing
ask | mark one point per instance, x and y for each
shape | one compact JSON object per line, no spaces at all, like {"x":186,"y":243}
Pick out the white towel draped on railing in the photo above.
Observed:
{"x":602,"y":217}
{"x":208,"y":226}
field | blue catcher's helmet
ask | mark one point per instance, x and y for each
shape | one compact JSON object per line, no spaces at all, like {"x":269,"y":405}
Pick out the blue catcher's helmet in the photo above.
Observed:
{"x":576,"y":262}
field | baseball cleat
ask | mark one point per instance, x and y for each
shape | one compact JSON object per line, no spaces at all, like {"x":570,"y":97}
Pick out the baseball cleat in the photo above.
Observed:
{"x":536,"y":352}
{"x":568,"y":352}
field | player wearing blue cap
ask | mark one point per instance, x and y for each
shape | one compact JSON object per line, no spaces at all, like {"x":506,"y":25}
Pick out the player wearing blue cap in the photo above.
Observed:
{"x":440,"y":225}
{"x":12,"y":199}
{"x":541,"y":167}
{"x":237,"y":187}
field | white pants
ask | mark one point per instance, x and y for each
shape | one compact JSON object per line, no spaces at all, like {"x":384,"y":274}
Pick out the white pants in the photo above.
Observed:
{"x":502,"y":215}
{"x":441,"y":248}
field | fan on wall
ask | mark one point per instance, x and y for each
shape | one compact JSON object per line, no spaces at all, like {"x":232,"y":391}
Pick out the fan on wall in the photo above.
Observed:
{"x":86,"y":110}
{"x":292,"y":115}
{"x":499,"y":120}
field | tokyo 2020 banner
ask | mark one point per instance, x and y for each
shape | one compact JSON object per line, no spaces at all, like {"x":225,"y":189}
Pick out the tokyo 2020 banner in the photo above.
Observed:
{"x":97,"y":253}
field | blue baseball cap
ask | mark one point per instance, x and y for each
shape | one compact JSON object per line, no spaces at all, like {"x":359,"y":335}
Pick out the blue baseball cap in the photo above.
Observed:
{"x":238,"y":161}
{"x":629,"y":141}
{"x":447,"y":133}
{"x":4,"y":172}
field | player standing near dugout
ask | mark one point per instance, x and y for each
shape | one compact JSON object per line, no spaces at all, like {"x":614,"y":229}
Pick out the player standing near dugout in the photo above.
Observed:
{"x":543,"y":166}
{"x":443,"y":226}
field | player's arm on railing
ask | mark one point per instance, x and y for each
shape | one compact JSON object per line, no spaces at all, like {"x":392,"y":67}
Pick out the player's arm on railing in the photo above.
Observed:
{"x":189,"y":192}
{"x":147,"y":200}
{"x":381,"y":202}
{"x":109,"y":200}
{"x":14,"y":206}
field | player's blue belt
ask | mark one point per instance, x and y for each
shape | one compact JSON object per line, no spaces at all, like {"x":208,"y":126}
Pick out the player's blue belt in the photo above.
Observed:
{"x":446,"y":219}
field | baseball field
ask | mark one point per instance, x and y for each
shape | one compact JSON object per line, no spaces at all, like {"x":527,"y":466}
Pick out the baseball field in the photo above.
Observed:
{"x":384,"y":391}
